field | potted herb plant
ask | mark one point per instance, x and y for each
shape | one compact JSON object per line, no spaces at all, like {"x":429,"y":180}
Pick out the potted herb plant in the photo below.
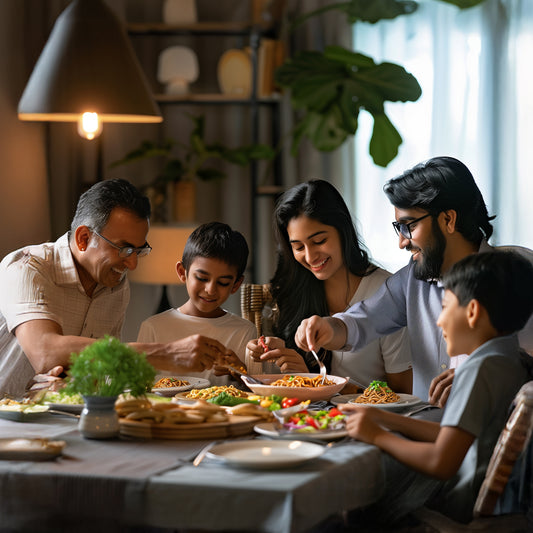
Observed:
{"x":100,"y":372}
{"x":186,"y":162}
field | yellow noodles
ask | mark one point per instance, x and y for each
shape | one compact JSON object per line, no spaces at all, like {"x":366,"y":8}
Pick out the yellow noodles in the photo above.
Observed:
{"x":170,"y":382}
{"x":211,"y":392}
{"x":301,"y":381}
{"x":378,"y":392}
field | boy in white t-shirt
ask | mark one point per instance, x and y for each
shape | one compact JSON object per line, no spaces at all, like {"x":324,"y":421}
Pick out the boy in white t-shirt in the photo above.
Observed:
{"x":212,"y":269}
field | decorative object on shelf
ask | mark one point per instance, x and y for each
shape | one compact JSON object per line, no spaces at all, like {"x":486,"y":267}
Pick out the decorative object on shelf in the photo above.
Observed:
{"x":159,"y":266}
{"x":104,"y":370}
{"x":180,"y":12}
{"x":329,"y":88}
{"x":234,"y":72}
{"x":191,"y":160}
{"x":88,"y":73}
{"x":177,"y":68}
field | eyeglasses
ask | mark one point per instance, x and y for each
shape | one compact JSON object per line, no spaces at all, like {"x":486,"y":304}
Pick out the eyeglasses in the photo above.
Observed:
{"x":404,"y":228}
{"x":126,"y":251}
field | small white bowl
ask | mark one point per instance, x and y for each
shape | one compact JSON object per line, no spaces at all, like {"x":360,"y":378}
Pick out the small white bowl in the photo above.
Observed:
{"x":302,"y":393}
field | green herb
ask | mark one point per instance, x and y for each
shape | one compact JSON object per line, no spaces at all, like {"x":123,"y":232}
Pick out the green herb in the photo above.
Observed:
{"x":108,"y":368}
{"x":227,"y":399}
{"x":376,"y":385}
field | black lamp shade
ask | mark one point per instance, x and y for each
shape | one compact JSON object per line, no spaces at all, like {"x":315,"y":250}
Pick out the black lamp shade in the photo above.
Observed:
{"x":88,"y":65}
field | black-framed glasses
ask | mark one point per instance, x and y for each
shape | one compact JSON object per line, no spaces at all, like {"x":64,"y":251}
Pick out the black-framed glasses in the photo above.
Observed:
{"x":404,"y":228}
{"x":126,"y":251}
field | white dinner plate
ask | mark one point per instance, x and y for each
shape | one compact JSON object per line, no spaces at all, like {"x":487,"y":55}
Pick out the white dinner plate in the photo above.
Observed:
{"x":406,"y":400}
{"x":194,"y":383}
{"x":27,"y":414}
{"x":269,"y":430}
{"x":263,"y":454}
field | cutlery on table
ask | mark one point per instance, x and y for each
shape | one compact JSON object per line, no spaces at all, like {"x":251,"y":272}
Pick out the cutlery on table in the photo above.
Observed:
{"x":323,"y":371}
{"x":202,"y":453}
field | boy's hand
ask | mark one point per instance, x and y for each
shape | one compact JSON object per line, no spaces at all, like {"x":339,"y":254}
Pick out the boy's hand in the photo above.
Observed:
{"x":228,"y":358}
{"x":196,"y":353}
{"x":440,"y":388}
{"x":363,"y":422}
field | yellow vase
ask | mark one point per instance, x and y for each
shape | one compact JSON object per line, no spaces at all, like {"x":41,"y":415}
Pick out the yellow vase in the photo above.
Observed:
{"x":184,"y":205}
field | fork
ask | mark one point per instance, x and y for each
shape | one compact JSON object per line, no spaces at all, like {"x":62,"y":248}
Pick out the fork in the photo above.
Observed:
{"x":323,"y":371}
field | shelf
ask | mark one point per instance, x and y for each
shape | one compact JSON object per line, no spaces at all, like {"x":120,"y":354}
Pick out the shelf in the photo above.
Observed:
{"x":198,"y":28}
{"x":214,"y":98}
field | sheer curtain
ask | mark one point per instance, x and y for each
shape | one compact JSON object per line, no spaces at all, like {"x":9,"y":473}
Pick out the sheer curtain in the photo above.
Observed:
{"x":474,"y":70}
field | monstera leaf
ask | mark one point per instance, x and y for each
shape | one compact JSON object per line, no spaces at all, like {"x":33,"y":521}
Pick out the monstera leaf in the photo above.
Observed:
{"x":331,"y":88}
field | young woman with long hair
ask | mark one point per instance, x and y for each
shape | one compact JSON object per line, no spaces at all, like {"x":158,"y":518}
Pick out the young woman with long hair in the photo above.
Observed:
{"x":322,"y":269}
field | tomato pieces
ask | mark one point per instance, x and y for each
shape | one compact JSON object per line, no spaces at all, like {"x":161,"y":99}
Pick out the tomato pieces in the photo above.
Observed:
{"x":289,"y":402}
{"x":334,"y":412}
{"x":263,"y":343}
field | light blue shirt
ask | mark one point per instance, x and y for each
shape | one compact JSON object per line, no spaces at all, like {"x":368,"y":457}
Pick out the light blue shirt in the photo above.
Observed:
{"x":403,"y":301}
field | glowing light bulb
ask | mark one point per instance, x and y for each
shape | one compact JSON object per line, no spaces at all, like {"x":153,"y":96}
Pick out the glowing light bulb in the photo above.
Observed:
{"x":89,"y":126}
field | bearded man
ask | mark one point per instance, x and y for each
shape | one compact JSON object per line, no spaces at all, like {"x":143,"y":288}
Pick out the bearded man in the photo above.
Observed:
{"x":441,"y":217}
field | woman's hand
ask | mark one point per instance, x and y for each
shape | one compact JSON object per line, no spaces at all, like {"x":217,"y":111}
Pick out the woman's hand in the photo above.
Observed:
{"x":286,"y":359}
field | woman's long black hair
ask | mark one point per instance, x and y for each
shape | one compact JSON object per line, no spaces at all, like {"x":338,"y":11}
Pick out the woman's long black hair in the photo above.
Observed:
{"x":296,"y":291}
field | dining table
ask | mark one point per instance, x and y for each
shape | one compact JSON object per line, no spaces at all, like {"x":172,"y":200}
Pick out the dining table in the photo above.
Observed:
{"x":151,"y":483}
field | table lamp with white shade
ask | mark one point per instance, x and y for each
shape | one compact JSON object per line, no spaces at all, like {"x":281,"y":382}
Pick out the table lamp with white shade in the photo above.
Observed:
{"x":159,"y":266}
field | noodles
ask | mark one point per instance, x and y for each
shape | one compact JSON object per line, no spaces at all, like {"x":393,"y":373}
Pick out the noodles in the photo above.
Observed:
{"x":378,"y":392}
{"x":301,"y":381}
{"x":211,"y":392}
{"x":164,"y":383}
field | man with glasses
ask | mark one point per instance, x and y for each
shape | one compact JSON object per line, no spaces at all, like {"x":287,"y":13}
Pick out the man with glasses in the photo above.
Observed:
{"x":441,"y":217}
{"x":56,"y":298}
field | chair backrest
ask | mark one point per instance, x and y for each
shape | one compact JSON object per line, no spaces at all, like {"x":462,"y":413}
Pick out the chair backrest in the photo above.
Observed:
{"x":512,"y":441}
{"x":255,"y":299}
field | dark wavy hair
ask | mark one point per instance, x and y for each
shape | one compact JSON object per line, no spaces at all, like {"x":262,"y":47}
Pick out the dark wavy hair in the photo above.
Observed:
{"x":95,"y":204}
{"x":217,"y":240}
{"x":502,"y":282}
{"x":296,"y":291}
{"x":439,"y":184}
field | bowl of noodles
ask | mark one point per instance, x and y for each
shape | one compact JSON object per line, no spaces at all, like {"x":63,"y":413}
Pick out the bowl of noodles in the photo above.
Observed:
{"x":298,"y":385}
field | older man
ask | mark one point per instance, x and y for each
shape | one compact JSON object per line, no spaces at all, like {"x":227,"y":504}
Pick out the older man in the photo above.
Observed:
{"x":56,"y":298}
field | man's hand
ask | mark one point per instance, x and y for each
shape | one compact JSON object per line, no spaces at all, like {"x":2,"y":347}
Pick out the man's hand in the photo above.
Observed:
{"x":316,"y":332}
{"x":440,"y":388}
{"x":195,"y":353}
{"x":52,"y":380}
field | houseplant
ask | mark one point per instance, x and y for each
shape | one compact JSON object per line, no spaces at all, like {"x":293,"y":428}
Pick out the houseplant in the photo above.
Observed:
{"x":100,"y":372}
{"x":185,"y":162}
{"x":330,"y":88}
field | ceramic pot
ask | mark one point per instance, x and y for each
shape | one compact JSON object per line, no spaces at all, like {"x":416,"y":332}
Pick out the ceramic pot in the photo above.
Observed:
{"x":98,"y":419}
{"x":185,"y":201}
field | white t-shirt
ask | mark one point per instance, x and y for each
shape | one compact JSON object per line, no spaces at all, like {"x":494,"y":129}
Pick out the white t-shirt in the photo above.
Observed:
{"x":231,"y":330}
{"x":390,"y":354}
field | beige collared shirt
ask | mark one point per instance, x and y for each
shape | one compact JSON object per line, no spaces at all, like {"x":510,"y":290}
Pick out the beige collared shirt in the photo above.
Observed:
{"x":41,"y":282}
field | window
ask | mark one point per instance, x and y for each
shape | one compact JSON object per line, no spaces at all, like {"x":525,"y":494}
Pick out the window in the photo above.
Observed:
{"x":474,"y":67}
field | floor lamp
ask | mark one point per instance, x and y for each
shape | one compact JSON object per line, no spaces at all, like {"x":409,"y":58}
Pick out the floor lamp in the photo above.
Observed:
{"x":159,"y":267}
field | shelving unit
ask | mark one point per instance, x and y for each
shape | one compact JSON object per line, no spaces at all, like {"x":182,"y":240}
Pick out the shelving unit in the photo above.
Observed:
{"x":253,"y":34}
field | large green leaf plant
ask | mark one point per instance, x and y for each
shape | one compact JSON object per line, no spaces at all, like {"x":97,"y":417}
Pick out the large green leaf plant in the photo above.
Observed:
{"x":330,"y":88}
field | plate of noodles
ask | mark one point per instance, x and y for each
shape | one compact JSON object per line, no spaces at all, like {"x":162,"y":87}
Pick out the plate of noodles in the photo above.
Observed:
{"x":167,"y":385}
{"x":379,"y":394}
{"x":298,"y":385}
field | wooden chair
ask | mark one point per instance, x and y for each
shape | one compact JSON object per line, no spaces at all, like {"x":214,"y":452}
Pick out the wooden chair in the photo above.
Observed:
{"x":511,"y":443}
{"x":256,"y":306}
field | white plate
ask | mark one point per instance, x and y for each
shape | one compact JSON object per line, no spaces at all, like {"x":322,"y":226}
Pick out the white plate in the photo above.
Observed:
{"x":265,"y":454}
{"x":406,"y":400}
{"x":268,"y":429}
{"x":194,"y":383}
{"x":23,"y":415}
{"x":30,"y":449}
